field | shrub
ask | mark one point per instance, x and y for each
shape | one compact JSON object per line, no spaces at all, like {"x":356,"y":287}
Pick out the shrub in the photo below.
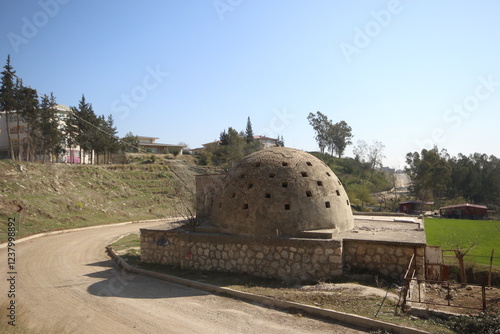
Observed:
{"x":485,"y":323}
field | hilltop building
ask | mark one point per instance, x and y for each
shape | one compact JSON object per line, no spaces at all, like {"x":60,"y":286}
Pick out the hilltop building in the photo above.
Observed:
{"x":18,"y":129}
{"x":266,"y":142}
{"x":149,"y":144}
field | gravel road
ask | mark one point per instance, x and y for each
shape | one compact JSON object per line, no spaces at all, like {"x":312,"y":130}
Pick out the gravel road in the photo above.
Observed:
{"x":66,"y":283}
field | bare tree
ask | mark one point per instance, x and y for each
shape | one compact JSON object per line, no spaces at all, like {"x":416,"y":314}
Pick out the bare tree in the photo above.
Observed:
{"x":461,"y":249}
{"x":376,"y":155}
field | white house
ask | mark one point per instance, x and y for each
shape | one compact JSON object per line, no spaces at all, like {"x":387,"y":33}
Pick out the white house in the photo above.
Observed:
{"x":18,"y":129}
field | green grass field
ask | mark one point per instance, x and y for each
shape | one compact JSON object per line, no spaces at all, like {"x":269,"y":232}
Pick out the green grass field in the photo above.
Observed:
{"x":449,"y":232}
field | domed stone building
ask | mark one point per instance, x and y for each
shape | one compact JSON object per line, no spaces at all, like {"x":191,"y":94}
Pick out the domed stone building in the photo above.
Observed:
{"x":279,"y":192}
{"x":283,"y":213}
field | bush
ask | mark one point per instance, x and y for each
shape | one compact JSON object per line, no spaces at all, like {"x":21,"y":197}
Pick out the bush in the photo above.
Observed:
{"x":485,"y":323}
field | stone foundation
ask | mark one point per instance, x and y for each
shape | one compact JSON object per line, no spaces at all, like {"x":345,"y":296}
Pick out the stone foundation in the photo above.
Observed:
{"x":282,"y":258}
{"x":390,"y":259}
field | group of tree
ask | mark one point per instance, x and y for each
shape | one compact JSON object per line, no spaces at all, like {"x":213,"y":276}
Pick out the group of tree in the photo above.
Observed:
{"x":334,"y":137}
{"x":232,"y":146}
{"x":438,"y":176}
{"x":91,"y":132}
{"x":45,"y":134}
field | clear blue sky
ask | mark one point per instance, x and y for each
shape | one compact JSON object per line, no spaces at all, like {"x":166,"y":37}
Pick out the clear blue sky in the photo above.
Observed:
{"x":411,"y":74}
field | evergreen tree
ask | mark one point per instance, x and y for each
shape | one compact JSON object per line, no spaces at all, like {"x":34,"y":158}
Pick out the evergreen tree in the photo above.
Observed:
{"x":130,"y":143}
{"x":113,"y":144}
{"x":18,"y":148}
{"x":7,"y":99}
{"x":249,"y":131}
{"x":87,"y":125}
{"x":224,"y":138}
{"x":50,"y":134}
{"x":28,"y":110}
{"x":71,"y":132}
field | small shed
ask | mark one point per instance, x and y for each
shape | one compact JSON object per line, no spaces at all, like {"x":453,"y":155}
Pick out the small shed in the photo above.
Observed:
{"x":464,"y":211}
{"x":414,"y":207}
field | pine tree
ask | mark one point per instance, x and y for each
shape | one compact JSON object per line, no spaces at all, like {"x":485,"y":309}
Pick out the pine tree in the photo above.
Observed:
{"x":51,"y":135}
{"x":71,"y":132}
{"x":7,"y":99}
{"x":28,"y":110}
{"x":87,"y":125}
{"x":249,"y":131}
{"x":113,"y":144}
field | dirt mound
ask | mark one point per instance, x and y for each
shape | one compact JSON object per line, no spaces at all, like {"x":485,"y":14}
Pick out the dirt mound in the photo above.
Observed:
{"x":351,"y":288}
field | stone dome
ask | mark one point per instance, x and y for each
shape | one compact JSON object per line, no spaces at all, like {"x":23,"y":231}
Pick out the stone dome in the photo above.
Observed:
{"x":281,"y":192}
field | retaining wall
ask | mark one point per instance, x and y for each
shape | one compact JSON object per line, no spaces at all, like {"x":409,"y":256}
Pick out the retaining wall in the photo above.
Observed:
{"x":390,"y":259}
{"x":283,"y":258}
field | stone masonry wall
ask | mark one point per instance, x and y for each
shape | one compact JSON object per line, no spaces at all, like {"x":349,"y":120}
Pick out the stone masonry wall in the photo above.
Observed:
{"x":282,"y":258}
{"x":390,"y":259}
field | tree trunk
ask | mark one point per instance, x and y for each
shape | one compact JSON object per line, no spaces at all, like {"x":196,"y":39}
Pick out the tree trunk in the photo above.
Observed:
{"x":463,"y":274}
{"x":11,"y":149}
{"x":19,"y":147}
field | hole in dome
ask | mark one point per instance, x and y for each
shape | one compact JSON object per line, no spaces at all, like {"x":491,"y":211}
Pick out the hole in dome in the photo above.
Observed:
{"x":250,"y":185}
{"x":338,"y":193}
{"x":309,"y":164}
{"x":327,"y":204}
{"x":347,"y":201}
{"x":234,"y":195}
{"x":284,"y":184}
{"x":257,"y":164}
{"x":242,"y":176}
{"x":320,"y":183}
{"x":309,"y":193}
{"x":220,"y":205}
{"x":328,"y":174}
{"x":268,"y":195}
{"x":284,"y":163}
{"x":271,"y":175}
{"x":287,"y":206}
{"x":245,"y":206}
{"x":304,"y":174}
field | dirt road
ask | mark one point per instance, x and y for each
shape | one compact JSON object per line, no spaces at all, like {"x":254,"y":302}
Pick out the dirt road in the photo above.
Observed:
{"x":66,"y":284}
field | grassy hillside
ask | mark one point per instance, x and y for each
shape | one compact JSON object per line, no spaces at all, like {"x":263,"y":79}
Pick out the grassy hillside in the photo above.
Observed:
{"x":448,"y":233}
{"x":59,"y":196}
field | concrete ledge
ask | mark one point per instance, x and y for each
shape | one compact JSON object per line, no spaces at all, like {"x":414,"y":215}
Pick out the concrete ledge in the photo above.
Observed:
{"x":346,"y":318}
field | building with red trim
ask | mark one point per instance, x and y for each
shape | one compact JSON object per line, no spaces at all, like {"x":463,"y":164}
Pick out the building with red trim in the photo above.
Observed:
{"x":464,"y":211}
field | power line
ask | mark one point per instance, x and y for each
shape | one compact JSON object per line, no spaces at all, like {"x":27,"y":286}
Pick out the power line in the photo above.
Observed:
{"x":139,"y":149}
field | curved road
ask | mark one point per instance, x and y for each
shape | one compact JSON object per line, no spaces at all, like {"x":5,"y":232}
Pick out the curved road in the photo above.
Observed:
{"x":67,"y":284}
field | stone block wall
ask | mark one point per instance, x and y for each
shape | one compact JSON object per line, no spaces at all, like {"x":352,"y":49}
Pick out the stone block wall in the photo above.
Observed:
{"x":282,"y":258}
{"x":390,"y":259}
